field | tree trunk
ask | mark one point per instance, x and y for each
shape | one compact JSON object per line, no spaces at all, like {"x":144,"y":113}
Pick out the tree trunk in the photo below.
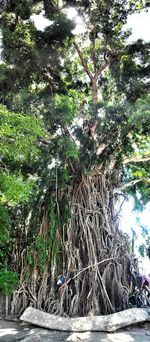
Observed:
{"x":95,"y":257}
{"x":94,"y":91}
{"x":6,"y":305}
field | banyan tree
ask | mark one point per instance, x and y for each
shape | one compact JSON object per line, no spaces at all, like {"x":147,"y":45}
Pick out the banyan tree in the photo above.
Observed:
{"x":87,"y":86}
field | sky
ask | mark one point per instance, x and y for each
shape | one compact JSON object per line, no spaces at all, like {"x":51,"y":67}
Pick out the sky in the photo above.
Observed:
{"x":131,"y":221}
{"x":140,"y":23}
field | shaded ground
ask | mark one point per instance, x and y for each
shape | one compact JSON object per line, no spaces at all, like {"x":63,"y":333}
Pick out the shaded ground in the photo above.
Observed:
{"x":13,"y":331}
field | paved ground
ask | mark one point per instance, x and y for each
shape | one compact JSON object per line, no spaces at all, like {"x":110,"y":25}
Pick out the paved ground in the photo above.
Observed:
{"x":11,"y":331}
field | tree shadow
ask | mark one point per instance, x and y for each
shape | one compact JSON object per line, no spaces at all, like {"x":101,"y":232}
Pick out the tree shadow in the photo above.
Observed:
{"x":13,"y":331}
{"x":108,"y":337}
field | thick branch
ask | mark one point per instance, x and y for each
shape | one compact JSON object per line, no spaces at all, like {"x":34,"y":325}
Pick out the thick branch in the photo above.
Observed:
{"x":100,"y":149}
{"x":102,"y":67}
{"x":93,"y":49}
{"x":44,"y":142}
{"x":3,"y":166}
{"x":94,"y":90}
{"x":94,"y":265}
{"x":136,"y":160}
{"x":66,"y":130}
{"x":83,"y":62}
{"x":131,"y":183}
{"x":107,"y":61}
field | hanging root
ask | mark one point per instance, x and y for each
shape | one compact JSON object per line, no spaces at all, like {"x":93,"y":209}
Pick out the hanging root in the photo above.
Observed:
{"x":95,"y":259}
{"x":96,"y":255}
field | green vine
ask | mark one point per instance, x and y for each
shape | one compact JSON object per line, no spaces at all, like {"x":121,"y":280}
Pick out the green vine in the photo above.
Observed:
{"x":8,"y":281}
{"x":40,"y":247}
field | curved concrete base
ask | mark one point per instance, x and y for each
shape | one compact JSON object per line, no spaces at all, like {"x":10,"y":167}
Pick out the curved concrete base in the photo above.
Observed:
{"x":107,"y":323}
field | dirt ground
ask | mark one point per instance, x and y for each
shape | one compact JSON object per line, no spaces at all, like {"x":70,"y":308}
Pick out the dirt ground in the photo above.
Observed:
{"x":12,"y":331}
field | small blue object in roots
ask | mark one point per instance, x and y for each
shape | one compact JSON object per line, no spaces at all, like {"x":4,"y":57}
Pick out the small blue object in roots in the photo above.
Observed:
{"x":61,"y":281}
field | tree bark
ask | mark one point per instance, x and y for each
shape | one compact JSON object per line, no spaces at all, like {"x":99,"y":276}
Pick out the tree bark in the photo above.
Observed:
{"x":94,"y":91}
{"x":6,"y":305}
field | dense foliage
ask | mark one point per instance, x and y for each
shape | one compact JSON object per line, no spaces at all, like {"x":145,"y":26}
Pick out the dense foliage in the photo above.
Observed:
{"x":75,"y":130}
